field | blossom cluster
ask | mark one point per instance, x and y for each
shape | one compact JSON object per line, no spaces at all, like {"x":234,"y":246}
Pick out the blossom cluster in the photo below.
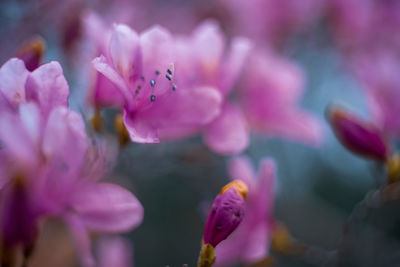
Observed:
{"x":224,"y":77}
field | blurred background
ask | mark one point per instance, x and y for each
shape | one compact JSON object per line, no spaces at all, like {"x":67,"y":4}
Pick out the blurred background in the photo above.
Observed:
{"x":176,"y":182}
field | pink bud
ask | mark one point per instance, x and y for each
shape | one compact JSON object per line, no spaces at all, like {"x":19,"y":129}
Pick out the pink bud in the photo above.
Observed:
{"x":226,"y":213}
{"x":32,"y":53}
{"x":358,"y":136}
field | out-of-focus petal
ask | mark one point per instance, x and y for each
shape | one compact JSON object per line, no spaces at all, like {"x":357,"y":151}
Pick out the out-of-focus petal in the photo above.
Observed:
{"x":270,"y":89}
{"x":64,"y":148}
{"x":107,"y":207}
{"x":13,"y":76}
{"x":81,"y":239}
{"x":240,"y":168}
{"x":209,"y":44}
{"x":234,"y":64}
{"x":47,"y":86}
{"x":124,"y":50}
{"x":228,"y":133}
{"x":116,"y":252}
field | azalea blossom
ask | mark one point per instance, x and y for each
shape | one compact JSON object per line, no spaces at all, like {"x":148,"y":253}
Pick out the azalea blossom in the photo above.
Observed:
{"x":47,"y":168}
{"x":249,"y":243}
{"x":140,"y":79}
{"x":260,"y":90}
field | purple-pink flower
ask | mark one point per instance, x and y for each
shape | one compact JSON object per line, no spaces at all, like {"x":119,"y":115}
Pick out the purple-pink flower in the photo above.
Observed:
{"x":140,"y":78}
{"x":47,"y":167}
{"x":249,"y":243}
{"x":260,"y":90}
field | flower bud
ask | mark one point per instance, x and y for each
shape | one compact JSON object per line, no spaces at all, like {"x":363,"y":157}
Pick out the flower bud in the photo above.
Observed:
{"x":226,"y":213}
{"x":32,"y":53}
{"x":360,"y":137}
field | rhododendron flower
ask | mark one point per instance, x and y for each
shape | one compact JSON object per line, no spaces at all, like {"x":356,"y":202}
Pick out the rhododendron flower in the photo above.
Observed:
{"x":141,"y":72}
{"x":44,"y":164}
{"x":268,"y":89}
{"x":249,"y":243}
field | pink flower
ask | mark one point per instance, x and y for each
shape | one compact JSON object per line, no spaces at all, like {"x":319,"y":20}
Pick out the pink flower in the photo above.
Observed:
{"x":268,"y":88}
{"x":249,"y":243}
{"x":44,"y":164}
{"x":140,"y":79}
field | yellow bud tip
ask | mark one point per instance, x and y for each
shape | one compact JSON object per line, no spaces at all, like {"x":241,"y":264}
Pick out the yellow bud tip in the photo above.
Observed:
{"x":239,"y":186}
{"x":393,"y":168}
{"x":97,"y":121}
{"x":122,"y":132}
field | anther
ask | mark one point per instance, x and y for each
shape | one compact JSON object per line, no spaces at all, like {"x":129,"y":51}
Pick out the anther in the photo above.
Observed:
{"x":152,"y":83}
{"x":168,"y":76}
{"x":173,"y":87}
{"x":142,"y":78}
{"x":169,"y":71}
{"x":157,"y":72}
{"x":152,"y":98}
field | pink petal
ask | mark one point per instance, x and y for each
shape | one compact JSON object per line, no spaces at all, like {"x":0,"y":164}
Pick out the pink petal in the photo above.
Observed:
{"x":240,"y":168}
{"x":115,"y":252}
{"x":107,"y":208}
{"x":124,"y":51}
{"x":81,"y":239}
{"x":228,"y":133}
{"x":105,"y":93}
{"x":48,"y":87}
{"x":180,"y":109}
{"x":13,"y":76}
{"x":209,"y":44}
{"x":257,"y":245}
{"x":234,"y":64}
{"x":19,"y":134}
{"x":64,"y":148}
{"x":158,"y":50}
{"x":271,"y":88}
{"x":102,"y":66}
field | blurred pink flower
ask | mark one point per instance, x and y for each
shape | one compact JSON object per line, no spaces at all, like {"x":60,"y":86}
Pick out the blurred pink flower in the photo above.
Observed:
{"x":271,"y":20}
{"x":44,"y":170}
{"x":115,"y":251}
{"x":268,"y":88}
{"x":140,"y":79}
{"x":249,"y":243}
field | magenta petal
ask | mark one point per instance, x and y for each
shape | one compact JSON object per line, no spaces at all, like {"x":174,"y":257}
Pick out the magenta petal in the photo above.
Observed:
{"x":107,"y":207}
{"x":182,"y":109}
{"x":64,"y":148}
{"x":208,"y":44}
{"x":228,"y":133}
{"x":106,"y":93}
{"x":358,"y":136}
{"x":13,"y":76}
{"x":157,"y":51}
{"x":102,"y":66}
{"x":81,"y":239}
{"x":48,"y":87}
{"x":124,"y":49}
{"x":234,"y":64}
{"x":139,"y":130}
